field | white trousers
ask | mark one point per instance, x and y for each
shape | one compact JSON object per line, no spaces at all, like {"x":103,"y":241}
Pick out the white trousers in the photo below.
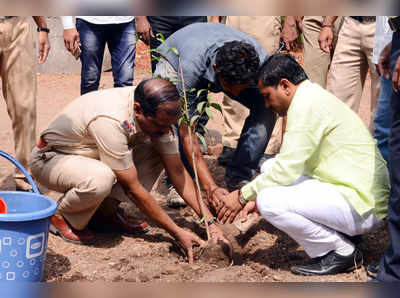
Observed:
{"x":313,"y":213}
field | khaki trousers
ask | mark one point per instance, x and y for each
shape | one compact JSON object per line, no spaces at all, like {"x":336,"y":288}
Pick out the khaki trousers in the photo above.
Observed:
{"x":350,"y":65}
{"x":266,"y":30}
{"x":18,"y":75}
{"x":316,"y":61}
{"x":88,"y":184}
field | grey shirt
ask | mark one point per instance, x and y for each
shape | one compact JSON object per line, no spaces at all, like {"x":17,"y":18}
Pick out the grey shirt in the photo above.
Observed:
{"x":197,"y":45}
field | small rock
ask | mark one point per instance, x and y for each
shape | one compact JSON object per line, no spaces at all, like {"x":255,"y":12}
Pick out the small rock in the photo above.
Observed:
{"x":143,"y":277}
{"x":277,"y":278}
{"x":117,"y":278}
{"x":115,"y":265}
{"x":169,"y":269}
{"x":106,"y":258}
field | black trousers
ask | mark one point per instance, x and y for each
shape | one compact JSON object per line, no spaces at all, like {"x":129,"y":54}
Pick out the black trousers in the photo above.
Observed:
{"x":167,"y":26}
{"x":389,"y":269}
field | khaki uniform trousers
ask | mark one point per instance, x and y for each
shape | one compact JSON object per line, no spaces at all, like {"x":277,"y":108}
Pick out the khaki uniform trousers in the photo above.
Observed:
{"x":266,"y":30}
{"x":316,"y":61}
{"x":88,"y":184}
{"x":18,"y":75}
{"x":350,"y":65}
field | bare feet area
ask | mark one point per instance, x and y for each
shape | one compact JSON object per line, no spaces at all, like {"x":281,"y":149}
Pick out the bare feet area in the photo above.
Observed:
{"x":261,"y":254}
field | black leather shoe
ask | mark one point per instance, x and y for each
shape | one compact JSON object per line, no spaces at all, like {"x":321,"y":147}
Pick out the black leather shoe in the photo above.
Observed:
{"x":233,"y":184}
{"x":331,"y":263}
{"x":226,"y":156}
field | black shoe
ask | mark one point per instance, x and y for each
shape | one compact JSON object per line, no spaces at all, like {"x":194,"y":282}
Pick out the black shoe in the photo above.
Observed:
{"x":233,"y":184}
{"x":226,"y":156}
{"x":372,"y":269}
{"x":331,"y":263}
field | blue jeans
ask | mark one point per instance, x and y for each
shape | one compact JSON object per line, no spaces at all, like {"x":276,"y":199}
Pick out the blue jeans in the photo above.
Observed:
{"x":121,"y":41}
{"x":389,"y":268}
{"x":254,"y":137}
{"x":383,"y":118}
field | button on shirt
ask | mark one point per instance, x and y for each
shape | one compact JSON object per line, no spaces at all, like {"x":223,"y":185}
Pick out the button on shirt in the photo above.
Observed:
{"x":326,"y":140}
{"x":102,"y":125}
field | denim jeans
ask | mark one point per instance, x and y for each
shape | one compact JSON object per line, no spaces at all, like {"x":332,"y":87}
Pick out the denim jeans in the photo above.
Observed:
{"x":383,"y":118}
{"x":389,"y":268}
{"x":121,"y":41}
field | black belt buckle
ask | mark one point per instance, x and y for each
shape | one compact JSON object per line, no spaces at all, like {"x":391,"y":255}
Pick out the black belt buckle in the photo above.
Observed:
{"x":394,"y":24}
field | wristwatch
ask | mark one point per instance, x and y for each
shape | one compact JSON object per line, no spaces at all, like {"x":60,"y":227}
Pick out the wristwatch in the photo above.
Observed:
{"x":47,"y":30}
{"x":242,"y":200}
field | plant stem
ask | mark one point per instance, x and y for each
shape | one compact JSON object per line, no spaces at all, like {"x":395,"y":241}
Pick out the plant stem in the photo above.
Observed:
{"x":199,"y":197}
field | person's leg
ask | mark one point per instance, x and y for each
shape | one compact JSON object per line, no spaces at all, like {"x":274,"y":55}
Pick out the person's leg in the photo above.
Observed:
{"x":346,"y":76}
{"x":160,"y":25}
{"x":85,"y":182}
{"x":316,"y":61}
{"x":367,"y":44}
{"x":122,"y":46}
{"x":383,"y":117}
{"x":314,"y":214}
{"x":253,"y":140}
{"x":93,"y":41}
{"x":18,"y":73}
{"x":389,"y":268}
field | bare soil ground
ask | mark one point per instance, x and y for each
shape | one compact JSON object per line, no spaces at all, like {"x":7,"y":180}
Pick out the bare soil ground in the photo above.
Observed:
{"x":261,"y":254}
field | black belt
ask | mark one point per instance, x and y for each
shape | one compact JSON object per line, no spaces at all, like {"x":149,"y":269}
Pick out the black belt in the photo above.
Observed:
{"x":365,"y":19}
{"x":394,"y":23}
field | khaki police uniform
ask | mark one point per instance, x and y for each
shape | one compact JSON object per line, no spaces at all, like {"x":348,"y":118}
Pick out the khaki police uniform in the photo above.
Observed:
{"x":316,"y":61}
{"x":18,"y":75}
{"x":94,"y":135}
{"x":266,"y":30}
{"x":351,"y":62}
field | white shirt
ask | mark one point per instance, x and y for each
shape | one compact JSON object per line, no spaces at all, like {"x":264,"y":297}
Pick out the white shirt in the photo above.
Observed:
{"x":383,"y":35}
{"x":68,"y":21}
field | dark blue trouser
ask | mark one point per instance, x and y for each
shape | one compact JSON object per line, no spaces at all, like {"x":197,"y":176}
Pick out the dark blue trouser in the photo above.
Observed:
{"x":383,"y":118}
{"x":167,"y":25}
{"x":389,"y":269}
{"x":121,"y":41}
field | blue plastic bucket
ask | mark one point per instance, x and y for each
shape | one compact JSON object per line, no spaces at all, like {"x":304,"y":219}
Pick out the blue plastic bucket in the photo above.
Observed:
{"x":24,"y":231}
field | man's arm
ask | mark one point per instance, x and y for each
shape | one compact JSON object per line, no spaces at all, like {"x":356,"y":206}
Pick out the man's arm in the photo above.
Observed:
{"x":71,"y":35}
{"x":142,"y":198}
{"x":289,"y":33}
{"x":183,"y":183}
{"x":143,"y":29}
{"x":326,"y":35}
{"x":215,"y":193}
{"x":43,"y":39}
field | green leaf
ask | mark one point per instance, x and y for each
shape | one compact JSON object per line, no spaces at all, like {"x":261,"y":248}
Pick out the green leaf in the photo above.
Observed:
{"x":200,"y":106}
{"x":173,"y":50}
{"x":160,"y":37}
{"x":194,"y":119}
{"x":202,"y":220}
{"x":202,"y":139}
{"x":208,"y":112}
{"x":216,"y":106}
{"x":200,"y":91}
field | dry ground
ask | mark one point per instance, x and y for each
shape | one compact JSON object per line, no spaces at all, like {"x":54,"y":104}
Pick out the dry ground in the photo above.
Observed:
{"x":262,"y":254}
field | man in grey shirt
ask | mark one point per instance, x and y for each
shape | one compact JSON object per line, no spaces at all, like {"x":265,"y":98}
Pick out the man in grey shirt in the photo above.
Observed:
{"x":219,"y":58}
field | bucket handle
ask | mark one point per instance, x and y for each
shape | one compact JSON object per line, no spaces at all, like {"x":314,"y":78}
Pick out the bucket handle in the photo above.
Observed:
{"x":22,"y":169}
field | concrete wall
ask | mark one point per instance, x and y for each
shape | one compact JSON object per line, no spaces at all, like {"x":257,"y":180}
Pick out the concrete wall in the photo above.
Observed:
{"x":59,"y":59}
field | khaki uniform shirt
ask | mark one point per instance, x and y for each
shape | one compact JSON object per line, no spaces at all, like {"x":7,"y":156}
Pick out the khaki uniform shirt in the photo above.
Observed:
{"x":101,"y":125}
